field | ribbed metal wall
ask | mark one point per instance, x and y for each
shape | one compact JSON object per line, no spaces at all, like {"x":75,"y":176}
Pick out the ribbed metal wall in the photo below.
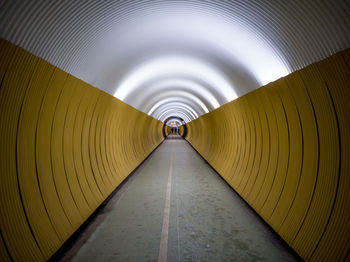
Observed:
{"x":286,"y":152}
{"x":58,"y":31}
{"x":66,"y":32}
{"x":64,"y":147}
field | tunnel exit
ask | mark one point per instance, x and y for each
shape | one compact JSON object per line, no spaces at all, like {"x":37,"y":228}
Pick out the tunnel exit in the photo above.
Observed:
{"x":174,"y":125}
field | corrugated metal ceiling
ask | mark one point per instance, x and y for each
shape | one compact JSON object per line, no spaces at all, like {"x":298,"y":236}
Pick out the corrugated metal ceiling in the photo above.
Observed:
{"x":243,"y":43}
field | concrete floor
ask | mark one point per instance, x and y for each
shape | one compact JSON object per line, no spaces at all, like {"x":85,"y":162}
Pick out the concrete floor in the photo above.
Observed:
{"x":207,"y":220}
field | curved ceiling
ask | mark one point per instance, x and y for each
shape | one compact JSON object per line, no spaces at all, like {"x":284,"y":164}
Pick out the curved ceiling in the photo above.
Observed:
{"x":178,"y":57}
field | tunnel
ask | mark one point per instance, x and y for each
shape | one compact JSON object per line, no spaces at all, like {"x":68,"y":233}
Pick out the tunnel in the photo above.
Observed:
{"x":178,"y":122}
{"x":258,"y":168}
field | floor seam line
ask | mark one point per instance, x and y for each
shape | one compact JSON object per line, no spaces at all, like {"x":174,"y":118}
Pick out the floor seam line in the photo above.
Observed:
{"x":163,"y":248}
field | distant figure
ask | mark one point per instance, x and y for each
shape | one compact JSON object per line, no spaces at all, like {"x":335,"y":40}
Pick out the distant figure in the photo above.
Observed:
{"x":174,"y":130}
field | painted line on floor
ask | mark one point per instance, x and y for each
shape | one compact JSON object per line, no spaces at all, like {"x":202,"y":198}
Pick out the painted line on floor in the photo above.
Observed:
{"x":163,"y":249}
{"x":177,"y":221}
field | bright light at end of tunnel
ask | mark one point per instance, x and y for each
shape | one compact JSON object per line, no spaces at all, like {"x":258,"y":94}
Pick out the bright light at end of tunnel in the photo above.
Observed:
{"x":167,"y":100}
{"x":187,"y":88}
{"x":176,"y":68}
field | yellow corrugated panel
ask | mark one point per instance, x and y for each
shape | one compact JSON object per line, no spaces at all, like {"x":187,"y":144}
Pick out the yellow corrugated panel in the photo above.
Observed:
{"x":221,"y":157}
{"x":295,"y":157}
{"x":181,"y":130}
{"x":16,"y":231}
{"x":247,"y":164}
{"x":226,"y":156}
{"x":214,"y":144}
{"x":335,"y":242}
{"x":297,"y":174}
{"x":245,"y":148}
{"x":109,"y":153}
{"x":167,"y":130}
{"x":102,"y":182}
{"x":77,"y":146}
{"x":283,"y":153}
{"x":74,"y":92}
{"x":265,"y":155}
{"x":92,"y":96}
{"x":328,"y":164}
{"x":346,"y":56}
{"x":116,"y":135}
{"x":105,"y":128}
{"x":66,"y":185}
{"x":4,"y":255}
{"x":110,"y":139}
{"x":65,"y":146}
{"x":98,"y":148}
{"x":32,"y":197}
{"x":46,"y":179}
{"x":231,"y":137}
{"x":7,"y":51}
{"x":240,"y":140}
{"x":268,"y":101}
{"x":252,"y":176}
{"x":118,"y":145}
{"x":299,"y":208}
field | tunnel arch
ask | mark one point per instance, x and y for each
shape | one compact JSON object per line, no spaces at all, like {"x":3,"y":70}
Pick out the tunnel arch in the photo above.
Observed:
{"x":179,"y":112}
{"x":258,"y":42}
{"x":181,"y":120}
{"x":173,"y":106}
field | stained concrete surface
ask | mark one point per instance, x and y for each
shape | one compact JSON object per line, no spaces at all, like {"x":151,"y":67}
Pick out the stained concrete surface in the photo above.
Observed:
{"x":208,"y":221}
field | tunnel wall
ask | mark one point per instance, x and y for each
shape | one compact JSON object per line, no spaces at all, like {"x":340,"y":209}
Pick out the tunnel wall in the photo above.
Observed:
{"x":65,"y":146}
{"x":285,"y":149}
{"x":167,"y":130}
{"x":181,"y":130}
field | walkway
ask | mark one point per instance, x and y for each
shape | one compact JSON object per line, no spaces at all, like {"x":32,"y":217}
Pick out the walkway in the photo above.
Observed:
{"x":207,"y":220}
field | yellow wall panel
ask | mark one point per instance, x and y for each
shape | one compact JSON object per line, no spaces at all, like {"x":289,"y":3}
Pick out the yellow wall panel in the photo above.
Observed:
{"x":104,"y":144}
{"x":269,"y":99}
{"x":283,"y":155}
{"x":6,"y":54}
{"x":64,"y":148}
{"x":248,"y":148}
{"x":114,"y":145}
{"x":33,"y":203}
{"x":96,"y":150}
{"x":251,"y":175}
{"x":289,"y":148}
{"x":295,"y":157}
{"x":102,"y":182}
{"x":92,"y":96}
{"x":181,"y":130}
{"x":297,"y":212}
{"x":327,"y":177}
{"x":19,"y":239}
{"x":68,"y":149}
{"x":335,"y":72}
{"x":43,"y":153}
{"x":77,"y":144}
{"x":4,"y":255}
{"x":240,"y":150}
{"x":109,"y":158}
{"x":255,"y":166}
{"x":65,"y":185}
{"x":228,"y":138}
{"x":265,"y":154}
{"x":168,"y":130}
